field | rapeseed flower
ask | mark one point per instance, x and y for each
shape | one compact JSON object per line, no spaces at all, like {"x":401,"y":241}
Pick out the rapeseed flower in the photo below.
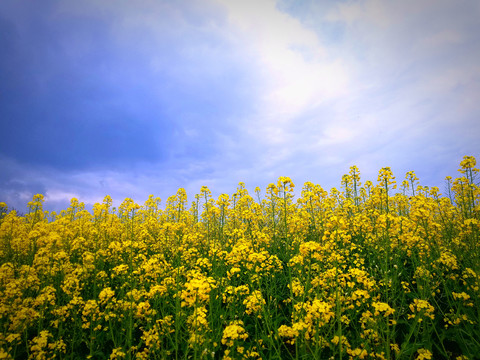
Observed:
{"x":234,"y":332}
{"x":423,"y":354}
{"x":197,"y":289}
{"x":420,"y":309}
{"x":254,"y":303}
{"x":382,"y":308}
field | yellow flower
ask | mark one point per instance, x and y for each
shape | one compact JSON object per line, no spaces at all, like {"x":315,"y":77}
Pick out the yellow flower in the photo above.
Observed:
{"x":384,"y":308}
{"x":462,"y":296}
{"x":117,"y":353}
{"x":5,"y":355}
{"x":292,"y":332}
{"x":234,"y":331}
{"x":197,"y":290}
{"x":254,"y":302}
{"x":358,"y":352}
{"x":341,"y":339}
{"x":39,"y":346}
{"x":421,"y":308}
{"x":468,"y":162}
{"x":297,"y":287}
{"x":105,"y":295}
{"x":423,"y":354}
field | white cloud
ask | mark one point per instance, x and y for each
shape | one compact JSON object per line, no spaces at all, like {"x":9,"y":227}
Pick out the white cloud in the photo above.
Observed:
{"x":337,"y":135}
{"x":296,"y":75}
{"x":57,"y":195}
{"x":297,"y":71}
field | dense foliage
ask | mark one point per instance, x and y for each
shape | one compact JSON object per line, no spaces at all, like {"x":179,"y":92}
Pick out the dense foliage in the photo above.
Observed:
{"x":374,"y":271}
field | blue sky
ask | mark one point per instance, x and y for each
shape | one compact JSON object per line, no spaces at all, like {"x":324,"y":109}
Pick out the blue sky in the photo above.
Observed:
{"x":131,"y":98}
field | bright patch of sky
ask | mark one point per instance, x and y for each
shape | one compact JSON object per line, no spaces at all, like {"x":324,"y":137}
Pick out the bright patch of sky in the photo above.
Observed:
{"x":136,"y":98}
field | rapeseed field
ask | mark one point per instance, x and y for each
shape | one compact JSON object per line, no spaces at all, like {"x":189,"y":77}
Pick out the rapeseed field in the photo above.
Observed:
{"x":385,"y":270}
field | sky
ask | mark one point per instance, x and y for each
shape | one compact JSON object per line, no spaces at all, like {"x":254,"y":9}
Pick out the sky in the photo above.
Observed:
{"x":132,"y":98}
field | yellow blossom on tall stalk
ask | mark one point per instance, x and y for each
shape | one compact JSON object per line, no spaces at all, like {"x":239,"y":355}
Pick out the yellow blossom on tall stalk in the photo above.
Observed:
{"x":234,"y":332}
{"x":423,"y":354}
{"x":197,"y":289}
{"x":382,"y":309}
{"x":421,"y":309}
{"x":412,"y":181}
{"x":254,"y":303}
